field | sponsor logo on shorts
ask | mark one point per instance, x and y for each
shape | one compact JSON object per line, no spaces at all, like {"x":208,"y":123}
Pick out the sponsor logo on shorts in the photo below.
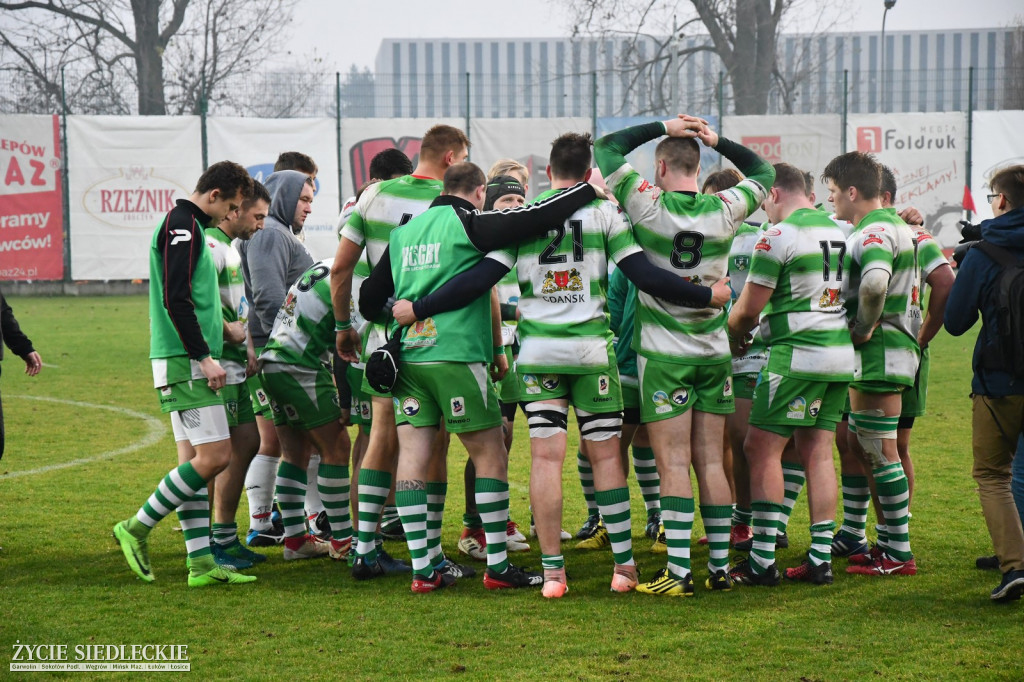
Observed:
{"x":261,"y":397}
{"x":458,"y":406}
{"x":336,"y":399}
{"x":727,"y":389}
{"x":364,"y":410}
{"x":797,"y":408}
{"x":662,"y":404}
{"x":232,"y":407}
{"x":166,"y":390}
{"x":814,"y":407}
{"x":410,"y":406}
{"x":680,"y":396}
{"x":532,"y":385}
{"x":602,"y":385}
{"x":549,"y":381}
{"x":291,"y":412}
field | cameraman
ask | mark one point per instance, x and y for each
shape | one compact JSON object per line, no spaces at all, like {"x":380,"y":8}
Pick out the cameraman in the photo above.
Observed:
{"x":998,"y":394}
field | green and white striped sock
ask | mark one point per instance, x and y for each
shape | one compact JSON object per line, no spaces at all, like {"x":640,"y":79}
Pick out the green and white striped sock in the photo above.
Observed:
{"x":821,"y":542}
{"x":793,"y":479}
{"x":614,"y":507}
{"x":492,"y":503}
{"x":766,"y":528}
{"x":586,"y":482}
{"x":412,"y":507}
{"x":224,"y":533}
{"x":290,"y":489}
{"x":194,"y":516}
{"x":180,"y":484}
{"x":334,"y":486}
{"x":717,"y":520}
{"x":677,"y":517}
{"x":856,"y":500}
{"x":894,"y":496}
{"x":436,"y":493}
{"x":647,"y":477}
{"x":373,"y":490}
{"x":552,"y":562}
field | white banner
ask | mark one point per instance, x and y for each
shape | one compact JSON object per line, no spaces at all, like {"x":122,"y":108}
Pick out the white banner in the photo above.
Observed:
{"x":125,"y":174}
{"x":926,"y":153}
{"x":808,"y":142}
{"x":256,"y":142}
{"x":997,"y":141}
{"x":527,"y":140}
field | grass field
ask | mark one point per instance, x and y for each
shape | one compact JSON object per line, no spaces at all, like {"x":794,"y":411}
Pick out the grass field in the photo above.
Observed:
{"x":64,"y":581}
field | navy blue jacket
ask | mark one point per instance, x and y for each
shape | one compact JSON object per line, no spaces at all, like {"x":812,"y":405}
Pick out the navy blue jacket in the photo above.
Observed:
{"x":973,"y":293}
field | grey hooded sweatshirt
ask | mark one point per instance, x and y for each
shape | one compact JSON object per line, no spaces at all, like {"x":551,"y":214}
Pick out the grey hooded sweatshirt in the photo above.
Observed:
{"x":273,"y":258}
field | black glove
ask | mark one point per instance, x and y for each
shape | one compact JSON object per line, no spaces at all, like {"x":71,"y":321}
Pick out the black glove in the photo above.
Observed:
{"x":961,"y":251}
{"x":969,"y":232}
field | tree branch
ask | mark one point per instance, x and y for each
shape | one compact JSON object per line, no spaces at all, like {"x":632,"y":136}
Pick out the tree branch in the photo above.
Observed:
{"x":71,"y":14}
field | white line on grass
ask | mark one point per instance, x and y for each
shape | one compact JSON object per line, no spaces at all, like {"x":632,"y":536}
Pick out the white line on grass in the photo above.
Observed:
{"x":156,"y":431}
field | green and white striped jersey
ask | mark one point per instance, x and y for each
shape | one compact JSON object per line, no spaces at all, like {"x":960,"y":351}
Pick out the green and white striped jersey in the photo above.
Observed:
{"x":804,"y":260}
{"x":883,"y":241}
{"x":929,"y":253}
{"x":235,"y":306}
{"x":740,"y":254}
{"x":690,"y":234}
{"x":303,"y":332}
{"x":382,"y":207}
{"x":508,"y":294}
{"x":563,"y":280}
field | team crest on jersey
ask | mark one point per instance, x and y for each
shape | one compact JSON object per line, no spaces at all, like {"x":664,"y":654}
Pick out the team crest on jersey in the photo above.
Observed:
{"x":680,"y":396}
{"x":763,"y":244}
{"x":602,"y":385}
{"x":814,"y":407}
{"x":532,"y":385}
{"x":662,"y":404}
{"x":829,"y":298}
{"x":693,"y":279}
{"x":797,"y":408}
{"x":458,"y":405}
{"x":291,"y":412}
{"x":741,"y":263}
{"x":562,"y":280}
{"x":421,"y":333}
{"x":289,"y":305}
{"x":549,"y":381}
{"x":410,"y":406}
{"x":872,"y":239}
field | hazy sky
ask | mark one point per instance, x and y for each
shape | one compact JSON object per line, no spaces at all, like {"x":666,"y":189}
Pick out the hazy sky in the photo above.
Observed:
{"x":344,"y":33}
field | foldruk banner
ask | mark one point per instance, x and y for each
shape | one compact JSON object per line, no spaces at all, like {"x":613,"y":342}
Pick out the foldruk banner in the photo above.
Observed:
{"x":31,"y":203}
{"x":125,"y":174}
{"x":926,"y":153}
{"x":998,"y":141}
{"x":256,"y":143}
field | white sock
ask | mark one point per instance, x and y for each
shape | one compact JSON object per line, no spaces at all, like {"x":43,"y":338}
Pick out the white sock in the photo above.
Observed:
{"x":259,"y":489}
{"x":314,"y":505}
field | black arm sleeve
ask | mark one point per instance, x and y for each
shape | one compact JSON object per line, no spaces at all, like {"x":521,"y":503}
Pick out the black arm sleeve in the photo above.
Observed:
{"x":460,"y":290}
{"x":750,"y":164}
{"x":497,"y":229}
{"x":652,"y":280}
{"x":508,"y":312}
{"x":181,"y":255}
{"x":377,"y":289}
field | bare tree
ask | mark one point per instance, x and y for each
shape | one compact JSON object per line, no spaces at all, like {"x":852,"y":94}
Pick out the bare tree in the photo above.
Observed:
{"x":160,"y":50}
{"x":744,"y":34}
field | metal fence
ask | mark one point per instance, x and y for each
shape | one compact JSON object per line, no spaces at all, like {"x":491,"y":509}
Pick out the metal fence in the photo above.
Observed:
{"x":477,"y":95}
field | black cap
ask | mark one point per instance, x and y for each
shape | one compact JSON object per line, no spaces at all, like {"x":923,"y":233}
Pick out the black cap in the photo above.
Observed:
{"x":499,"y":187}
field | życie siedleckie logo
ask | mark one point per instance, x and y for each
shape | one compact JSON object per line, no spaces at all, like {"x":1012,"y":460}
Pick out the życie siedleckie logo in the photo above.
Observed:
{"x":134,"y":197}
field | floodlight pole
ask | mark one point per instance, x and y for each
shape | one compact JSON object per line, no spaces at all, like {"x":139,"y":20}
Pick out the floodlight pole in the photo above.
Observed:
{"x":889,"y":4}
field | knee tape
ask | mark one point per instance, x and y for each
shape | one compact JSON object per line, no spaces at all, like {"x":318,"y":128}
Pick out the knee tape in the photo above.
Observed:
{"x":872,"y":427}
{"x":546,"y":420}
{"x":597,"y":427}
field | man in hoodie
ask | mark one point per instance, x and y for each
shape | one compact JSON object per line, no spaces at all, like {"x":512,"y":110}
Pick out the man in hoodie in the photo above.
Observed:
{"x":998,"y":394}
{"x":271,"y":261}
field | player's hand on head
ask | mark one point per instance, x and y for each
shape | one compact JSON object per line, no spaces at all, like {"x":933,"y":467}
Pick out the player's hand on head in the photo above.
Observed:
{"x":911,"y":216}
{"x":683,"y":126}
{"x":33,"y":363}
{"x":721,"y":293}
{"x":708,"y":136}
{"x":403,"y":312}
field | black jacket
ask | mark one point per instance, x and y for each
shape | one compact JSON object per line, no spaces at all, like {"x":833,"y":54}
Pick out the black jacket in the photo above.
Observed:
{"x":10,"y":332}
